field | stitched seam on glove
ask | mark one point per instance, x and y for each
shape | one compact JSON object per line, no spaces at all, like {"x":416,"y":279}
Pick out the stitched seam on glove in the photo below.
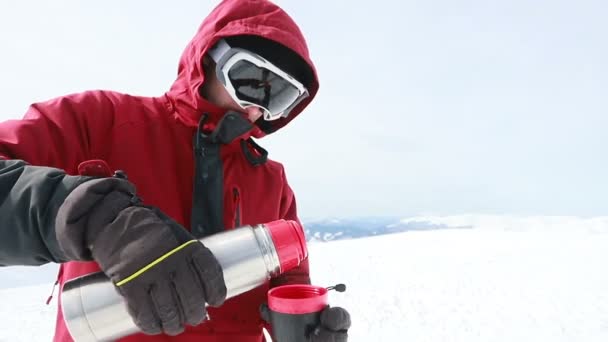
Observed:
{"x":153,"y":263}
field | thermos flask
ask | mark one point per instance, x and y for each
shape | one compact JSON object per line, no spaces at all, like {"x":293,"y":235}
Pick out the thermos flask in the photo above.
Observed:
{"x":249,"y":255}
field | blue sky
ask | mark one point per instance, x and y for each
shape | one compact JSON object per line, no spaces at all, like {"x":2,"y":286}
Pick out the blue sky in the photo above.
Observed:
{"x":426,"y":107}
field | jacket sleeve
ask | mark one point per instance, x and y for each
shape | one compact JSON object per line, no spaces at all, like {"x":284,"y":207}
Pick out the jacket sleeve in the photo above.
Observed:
{"x":30,"y":197}
{"x":300,"y":274}
{"x":35,"y":151}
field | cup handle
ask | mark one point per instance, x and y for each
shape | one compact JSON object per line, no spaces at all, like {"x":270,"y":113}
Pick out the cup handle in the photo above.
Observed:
{"x":265,"y":312}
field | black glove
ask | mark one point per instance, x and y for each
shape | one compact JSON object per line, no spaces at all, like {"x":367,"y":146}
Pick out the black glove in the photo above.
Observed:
{"x":334,"y":325}
{"x":164,"y":274}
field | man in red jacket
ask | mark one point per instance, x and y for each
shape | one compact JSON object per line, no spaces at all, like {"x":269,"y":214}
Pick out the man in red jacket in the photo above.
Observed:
{"x":187,"y":159}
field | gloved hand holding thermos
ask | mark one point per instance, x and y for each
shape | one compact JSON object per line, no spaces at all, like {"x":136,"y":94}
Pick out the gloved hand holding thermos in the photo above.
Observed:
{"x":164,"y":275}
{"x":103,"y":220}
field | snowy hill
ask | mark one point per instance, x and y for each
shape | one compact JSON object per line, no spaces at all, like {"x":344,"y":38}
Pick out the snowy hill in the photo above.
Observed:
{"x":340,"y":229}
{"x":501,"y":279}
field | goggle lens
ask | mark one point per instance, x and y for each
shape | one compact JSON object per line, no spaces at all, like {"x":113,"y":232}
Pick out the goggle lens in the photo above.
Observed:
{"x":254,"y":85}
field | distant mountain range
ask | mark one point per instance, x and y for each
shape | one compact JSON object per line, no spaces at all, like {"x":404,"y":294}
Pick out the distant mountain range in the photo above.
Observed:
{"x":339,"y":229}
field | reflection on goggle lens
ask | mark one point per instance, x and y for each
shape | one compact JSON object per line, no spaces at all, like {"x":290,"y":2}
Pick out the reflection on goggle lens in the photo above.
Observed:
{"x":262,"y":87}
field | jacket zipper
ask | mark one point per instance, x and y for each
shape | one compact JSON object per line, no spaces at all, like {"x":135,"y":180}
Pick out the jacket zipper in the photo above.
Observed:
{"x":59,"y":274}
{"x":237,"y":200}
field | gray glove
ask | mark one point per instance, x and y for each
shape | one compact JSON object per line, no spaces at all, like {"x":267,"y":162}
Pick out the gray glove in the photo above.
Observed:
{"x":335,"y":322}
{"x":164,"y":274}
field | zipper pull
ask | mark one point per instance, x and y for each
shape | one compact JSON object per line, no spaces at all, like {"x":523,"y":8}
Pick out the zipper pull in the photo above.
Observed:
{"x":236,"y":198}
{"x":52,"y":292}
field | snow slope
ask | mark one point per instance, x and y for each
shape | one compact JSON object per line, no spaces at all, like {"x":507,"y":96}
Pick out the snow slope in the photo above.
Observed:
{"x":498,"y":282}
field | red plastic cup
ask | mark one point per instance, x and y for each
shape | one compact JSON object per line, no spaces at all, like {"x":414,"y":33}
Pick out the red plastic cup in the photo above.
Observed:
{"x":294,"y":311}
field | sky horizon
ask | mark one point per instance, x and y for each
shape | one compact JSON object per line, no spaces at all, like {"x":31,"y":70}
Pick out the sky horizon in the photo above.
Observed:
{"x":425,"y":107}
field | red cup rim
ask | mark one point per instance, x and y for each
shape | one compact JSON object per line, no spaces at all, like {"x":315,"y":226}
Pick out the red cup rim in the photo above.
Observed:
{"x":297,"y":299}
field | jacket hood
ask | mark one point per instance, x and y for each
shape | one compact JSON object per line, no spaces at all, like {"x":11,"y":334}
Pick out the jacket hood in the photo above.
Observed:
{"x":232,"y":18}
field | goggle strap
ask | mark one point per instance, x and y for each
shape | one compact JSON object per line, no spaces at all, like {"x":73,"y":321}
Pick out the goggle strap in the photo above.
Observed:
{"x":219,"y":50}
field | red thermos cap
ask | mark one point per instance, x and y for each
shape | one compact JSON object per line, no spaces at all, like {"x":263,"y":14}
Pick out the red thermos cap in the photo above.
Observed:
{"x":289,"y":242}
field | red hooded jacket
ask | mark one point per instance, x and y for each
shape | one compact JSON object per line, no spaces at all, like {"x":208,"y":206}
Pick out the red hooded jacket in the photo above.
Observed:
{"x":151,"y":139}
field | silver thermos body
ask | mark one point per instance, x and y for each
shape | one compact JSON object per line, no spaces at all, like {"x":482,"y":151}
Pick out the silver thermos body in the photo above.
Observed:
{"x":250,"y":255}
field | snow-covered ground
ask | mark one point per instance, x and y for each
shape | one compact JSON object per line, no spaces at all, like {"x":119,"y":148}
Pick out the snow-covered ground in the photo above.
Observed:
{"x":511,"y":280}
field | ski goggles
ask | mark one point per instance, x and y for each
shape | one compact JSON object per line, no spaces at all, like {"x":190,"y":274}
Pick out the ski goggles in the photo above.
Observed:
{"x":251,"y":80}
